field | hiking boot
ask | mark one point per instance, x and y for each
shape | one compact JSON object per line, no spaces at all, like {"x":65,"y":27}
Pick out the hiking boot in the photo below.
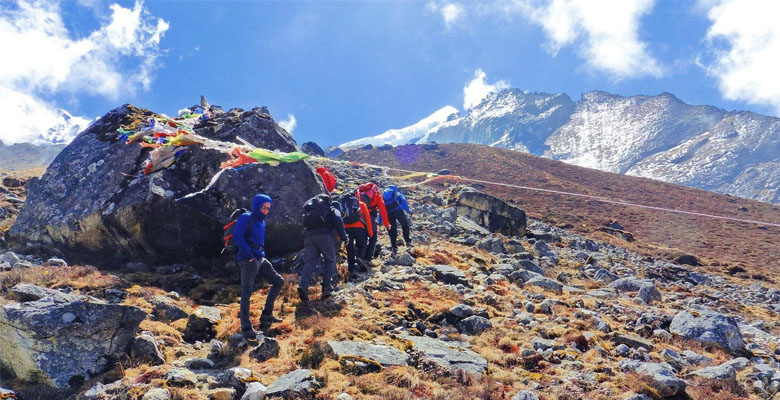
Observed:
{"x":363,"y":264}
{"x":249,"y":334}
{"x":304,"y":295}
{"x":269,"y":318}
{"x":394,"y":252}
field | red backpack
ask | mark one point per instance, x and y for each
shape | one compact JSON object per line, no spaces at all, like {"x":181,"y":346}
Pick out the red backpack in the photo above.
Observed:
{"x":327,"y":178}
{"x":227,"y":231}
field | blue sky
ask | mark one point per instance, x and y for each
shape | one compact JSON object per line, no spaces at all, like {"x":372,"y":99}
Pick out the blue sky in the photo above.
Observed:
{"x":342,"y":70}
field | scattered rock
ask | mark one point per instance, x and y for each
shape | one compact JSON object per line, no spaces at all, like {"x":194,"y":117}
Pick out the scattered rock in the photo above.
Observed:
{"x":379,"y":354}
{"x":449,"y":275}
{"x":254,"y":391}
{"x":180,"y":377}
{"x":202,"y":324}
{"x":661,"y":378}
{"x":300,"y":383}
{"x":546,"y":284}
{"x":166,"y":309}
{"x":525,"y":395}
{"x":474,"y":325}
{"x":157,"y":394}
{"x":448,"y":356}
{"x":649,"y":293}
{"x":146,"y":350}
{"x":55,"y":262}
{"x":708,"y":327}
{"x":629,"y":284}
{"x":198,"y":363}
{"x":268,"y":349}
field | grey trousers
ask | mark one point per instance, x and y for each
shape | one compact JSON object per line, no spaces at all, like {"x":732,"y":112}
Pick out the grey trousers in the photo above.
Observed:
{"x":313,"y":246}
{"x":249,"y":271}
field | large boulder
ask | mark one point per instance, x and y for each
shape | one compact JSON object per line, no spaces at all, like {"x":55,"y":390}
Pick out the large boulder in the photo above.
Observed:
{"x":60,"y":342}
{"x":710,"y":328}
{"x":90,"y":205}
{"x":492,"y":213}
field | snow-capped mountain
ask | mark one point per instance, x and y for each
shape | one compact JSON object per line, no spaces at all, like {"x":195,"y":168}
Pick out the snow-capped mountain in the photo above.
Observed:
{"x":658,"y":137}
{"x":410,"y":134}
{"x":64,"y":129}
{"x":510,"y":119}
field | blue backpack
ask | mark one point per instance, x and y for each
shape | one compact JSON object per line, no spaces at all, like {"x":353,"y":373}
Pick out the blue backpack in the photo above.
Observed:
{"x":390,"y":196}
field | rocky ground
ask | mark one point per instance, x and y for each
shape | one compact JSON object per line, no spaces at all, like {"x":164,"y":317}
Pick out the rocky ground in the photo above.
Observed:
{"x":465,"y":313}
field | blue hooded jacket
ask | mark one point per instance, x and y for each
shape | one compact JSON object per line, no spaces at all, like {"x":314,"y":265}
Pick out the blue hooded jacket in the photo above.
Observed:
{"x":249,"y":233}
{"x":388,"y":194}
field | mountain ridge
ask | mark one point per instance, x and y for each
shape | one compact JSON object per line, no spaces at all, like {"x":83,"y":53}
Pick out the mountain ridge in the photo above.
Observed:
{"x":658,"y":137}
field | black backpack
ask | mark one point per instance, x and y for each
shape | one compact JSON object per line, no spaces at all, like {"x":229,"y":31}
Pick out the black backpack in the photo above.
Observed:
{"x":350,"y":208}
{"x":227,"y":231}
{"x":316,"y":211}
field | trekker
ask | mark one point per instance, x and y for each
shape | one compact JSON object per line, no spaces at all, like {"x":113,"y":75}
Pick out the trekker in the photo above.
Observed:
{"x":356,"y":217}
{"x":369,"y":194}
{"x":327,"y":178}
{"x":320,"y":220}
{"x":249,"y":237}
{"x":396,"y":204}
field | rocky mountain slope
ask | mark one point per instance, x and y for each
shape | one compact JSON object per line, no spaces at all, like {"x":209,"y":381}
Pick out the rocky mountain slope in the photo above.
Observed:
{"x":465,"y":313}
{"x":657,"y":137}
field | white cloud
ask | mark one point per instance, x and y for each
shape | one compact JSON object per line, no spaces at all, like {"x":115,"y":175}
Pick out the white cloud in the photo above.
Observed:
{"x":450,"y":12}
{"x":745,"y":40}
{"x":44,"y":59}
{"x":289,"y":124}
{"x":477,"y":89}
{"x":607,"y":30}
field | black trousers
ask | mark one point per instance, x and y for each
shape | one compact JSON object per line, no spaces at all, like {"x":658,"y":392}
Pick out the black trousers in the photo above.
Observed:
{"x":369,"y":254}
{"x":356,"y":246}
{"x":396,"y":217}
{"x":249,"y":271}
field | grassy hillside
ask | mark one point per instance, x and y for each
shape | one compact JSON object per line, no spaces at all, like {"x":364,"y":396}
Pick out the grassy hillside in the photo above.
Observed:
{"x":723,"y":245}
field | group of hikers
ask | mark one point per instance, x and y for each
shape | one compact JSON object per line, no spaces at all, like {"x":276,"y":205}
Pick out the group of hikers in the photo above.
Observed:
{"x":329,"y":220}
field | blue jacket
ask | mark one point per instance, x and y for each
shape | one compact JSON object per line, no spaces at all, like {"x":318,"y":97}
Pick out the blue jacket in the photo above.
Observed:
{"x":388,"y":195}
{"x":249,"y":233}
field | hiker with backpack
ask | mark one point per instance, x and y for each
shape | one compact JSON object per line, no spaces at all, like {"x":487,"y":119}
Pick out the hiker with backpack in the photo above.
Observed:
{"x":369,"y":194}
{"x":249,"y":238}
{"x":320,"y":220}
{"x":356,"y":222}
{"x":396,"y":204}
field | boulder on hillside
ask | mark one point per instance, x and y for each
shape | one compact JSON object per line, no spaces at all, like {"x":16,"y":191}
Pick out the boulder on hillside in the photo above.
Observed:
{"x":90,"y":206}
{"x":492,"y":213}
{"x":313,"y":149}
{"x":62,"y":342}
{"x":710,"y":328}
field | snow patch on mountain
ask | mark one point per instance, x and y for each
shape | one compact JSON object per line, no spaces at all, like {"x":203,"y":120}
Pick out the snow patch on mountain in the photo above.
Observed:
{"x":26,"y":119}
{"x":409,"y":134}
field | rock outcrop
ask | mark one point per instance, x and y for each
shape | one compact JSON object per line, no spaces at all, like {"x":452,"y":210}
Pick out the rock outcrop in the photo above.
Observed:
{"x":492,"y":213}
{"x":60,"y":341}
{"x":90,"y":206}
